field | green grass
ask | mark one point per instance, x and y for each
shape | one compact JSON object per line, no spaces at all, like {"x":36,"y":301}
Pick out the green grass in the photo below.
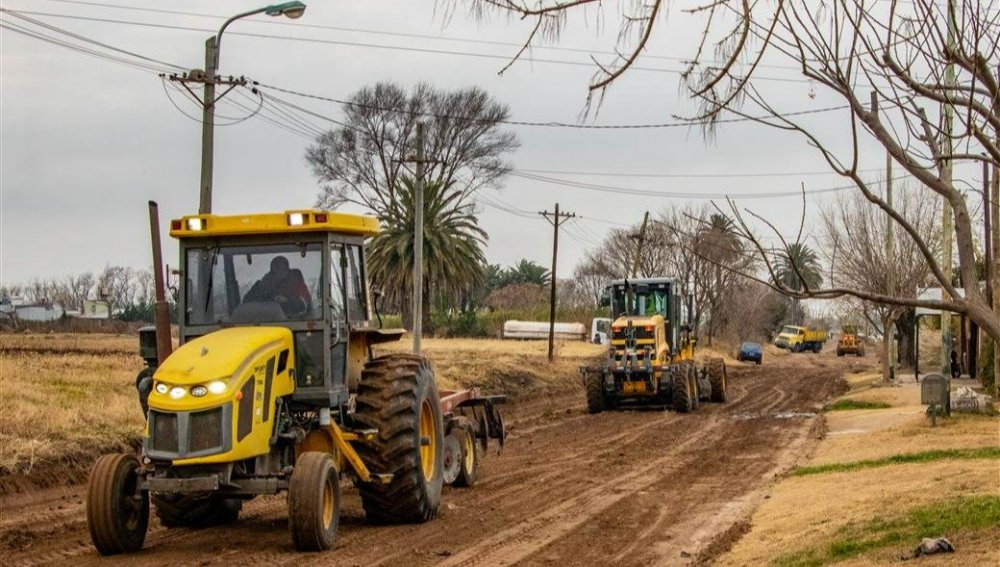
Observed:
{"x":963,"y":514}
{"x":921,"y":457}
{"x":848,"y":404}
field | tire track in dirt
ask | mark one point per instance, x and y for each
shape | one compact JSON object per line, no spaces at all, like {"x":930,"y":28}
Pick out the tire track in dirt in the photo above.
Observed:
{"x":627,"y":488}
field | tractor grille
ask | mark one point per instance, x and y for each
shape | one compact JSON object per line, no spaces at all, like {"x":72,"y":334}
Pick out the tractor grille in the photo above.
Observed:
{"x":205,"y":430}
{"x":163,"y":432}
{"x":640,"y":333}
{"x":189,"y":434}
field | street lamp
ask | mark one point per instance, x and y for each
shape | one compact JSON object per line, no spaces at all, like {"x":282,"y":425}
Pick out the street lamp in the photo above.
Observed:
{"x":291,"y":10}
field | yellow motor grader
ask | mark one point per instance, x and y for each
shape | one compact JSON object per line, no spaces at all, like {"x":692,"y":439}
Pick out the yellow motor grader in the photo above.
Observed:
{"x":275,"y":389}
{"x":651,"y":356}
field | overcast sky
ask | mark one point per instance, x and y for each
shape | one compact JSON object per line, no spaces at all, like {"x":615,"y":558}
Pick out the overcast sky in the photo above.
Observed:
{"x":87,"y":142}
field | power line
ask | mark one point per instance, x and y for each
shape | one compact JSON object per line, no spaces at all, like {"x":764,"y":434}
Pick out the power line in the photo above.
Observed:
{"x":552,"y":124}
{"x":549,"y":124}
{"x":397,"y":34}
{"x":373,"y":45}
{"x":684,"y":195}
{"x":688,"y":175}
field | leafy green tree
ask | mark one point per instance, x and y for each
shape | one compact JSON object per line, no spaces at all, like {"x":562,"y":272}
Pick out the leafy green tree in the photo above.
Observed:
{"x":454,"y":261}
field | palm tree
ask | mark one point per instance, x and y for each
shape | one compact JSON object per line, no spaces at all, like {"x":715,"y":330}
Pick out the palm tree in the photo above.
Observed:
{"x":798,"y":268}
{"x":526,"y":271}
{"x":718,"y":243}
{"x":454,"y":261}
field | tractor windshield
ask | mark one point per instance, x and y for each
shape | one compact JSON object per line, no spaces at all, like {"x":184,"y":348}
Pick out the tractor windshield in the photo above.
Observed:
{"x":254,"y":284}
{"x":652,"y":303}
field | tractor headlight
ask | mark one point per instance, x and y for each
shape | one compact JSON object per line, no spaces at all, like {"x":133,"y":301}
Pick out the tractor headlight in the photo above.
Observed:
{"x":199,"y":391}
{"x":162,"y":388}
{"x":216,"y":386}
{"x":177,"y":393}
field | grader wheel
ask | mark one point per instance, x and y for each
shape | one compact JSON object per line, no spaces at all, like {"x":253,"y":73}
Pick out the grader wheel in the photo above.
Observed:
{"x":681,"y":391}
{"x":596,"y":400}
{"x":116,"y":513}
{"x":719,"y":379}
{"x":397,"y":396}
{"x":314,"y":502}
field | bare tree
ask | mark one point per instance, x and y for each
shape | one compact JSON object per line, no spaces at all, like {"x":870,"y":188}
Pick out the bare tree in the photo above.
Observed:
{"x":930,"y":66}
{"x":363,"y":160}
{"x":854,"y":232}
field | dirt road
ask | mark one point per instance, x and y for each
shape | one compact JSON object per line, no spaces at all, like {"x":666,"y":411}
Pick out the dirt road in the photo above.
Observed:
{"x":628,"y":488}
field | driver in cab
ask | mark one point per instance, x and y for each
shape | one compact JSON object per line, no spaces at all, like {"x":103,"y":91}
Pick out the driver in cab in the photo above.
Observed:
{"x":284,"y":286}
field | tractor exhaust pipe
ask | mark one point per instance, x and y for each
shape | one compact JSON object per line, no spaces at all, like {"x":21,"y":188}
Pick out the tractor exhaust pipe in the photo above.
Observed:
{"x":161,"y":312}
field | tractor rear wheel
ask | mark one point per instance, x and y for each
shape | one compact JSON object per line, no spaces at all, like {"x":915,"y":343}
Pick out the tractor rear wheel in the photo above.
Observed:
{"x":692,"y":373}
{"x":719,"y":379}
{"x":314,"y":502}
{"x":681,"y":392}
{"x":397,"y":396}
{"x":197,"y":510}
{"x":117,"y":514}
{"x":596,"y":400}
{"x":468,"y":456}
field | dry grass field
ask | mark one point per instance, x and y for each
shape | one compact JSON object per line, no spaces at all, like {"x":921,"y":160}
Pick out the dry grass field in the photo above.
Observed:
{"x":68,"y":397}
{"x":64,"y":399}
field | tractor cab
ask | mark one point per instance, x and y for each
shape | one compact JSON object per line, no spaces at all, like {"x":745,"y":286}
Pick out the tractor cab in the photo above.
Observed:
{"x":300,"y":270}
{"x":643,"y":307}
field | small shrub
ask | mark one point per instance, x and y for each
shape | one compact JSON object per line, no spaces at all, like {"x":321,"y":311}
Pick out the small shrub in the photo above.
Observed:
{"x":849,"y":404}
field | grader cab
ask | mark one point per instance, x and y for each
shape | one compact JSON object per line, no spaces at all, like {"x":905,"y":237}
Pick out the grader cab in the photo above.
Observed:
{"x":275,"y":389}
{"x":651,"y":358}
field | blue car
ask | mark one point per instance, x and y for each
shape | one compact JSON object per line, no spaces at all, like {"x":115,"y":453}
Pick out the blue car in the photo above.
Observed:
{"x":750,"y":352}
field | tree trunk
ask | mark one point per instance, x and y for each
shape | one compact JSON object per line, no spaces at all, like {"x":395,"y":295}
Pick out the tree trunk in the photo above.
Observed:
{"x":886,"y":345}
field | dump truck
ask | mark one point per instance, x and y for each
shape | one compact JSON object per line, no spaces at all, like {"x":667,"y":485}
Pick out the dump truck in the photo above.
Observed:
{"x":850,"y":342}
{"x":801,"y":339}
{"x":275,"y":389}
{"x":651,"y":356}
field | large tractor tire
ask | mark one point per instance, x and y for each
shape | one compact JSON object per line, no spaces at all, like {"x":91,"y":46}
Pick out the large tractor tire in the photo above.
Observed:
{"x":596,"y":399}
{"x":314,"y":502}
{"x":692,"y":374}
{"x":681,"y":392}
{"x":719,"y":379}
{"x":117,"y":514}
{"x":197,"y":510}
{"x":397,"y":396}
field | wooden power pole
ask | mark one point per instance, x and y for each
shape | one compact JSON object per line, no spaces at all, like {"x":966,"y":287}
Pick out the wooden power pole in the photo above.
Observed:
{"x":638,"y":249}
{"x":947,"y":230}
{"x":555,"y":219}
{"x":418,"y":238}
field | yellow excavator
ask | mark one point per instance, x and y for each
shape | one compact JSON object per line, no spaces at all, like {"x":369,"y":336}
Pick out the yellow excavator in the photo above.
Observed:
{"x":275,"y":389}
{"x":651,"y":358}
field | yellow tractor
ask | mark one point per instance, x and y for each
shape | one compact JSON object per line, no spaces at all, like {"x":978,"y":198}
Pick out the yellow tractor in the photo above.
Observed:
{"x":651,"y":356}
{"x":275,"y":389}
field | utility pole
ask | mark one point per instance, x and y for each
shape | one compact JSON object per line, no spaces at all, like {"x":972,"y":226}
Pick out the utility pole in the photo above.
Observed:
{"x":208,"y":77}
{"x":638,"y":249}
{"x":418,"y":238}
{"x":889,"y":328}
{"x":555,"y":219}
{"x":947,"y":230}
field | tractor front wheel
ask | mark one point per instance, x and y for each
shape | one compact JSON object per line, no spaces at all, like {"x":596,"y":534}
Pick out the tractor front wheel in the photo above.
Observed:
{"x":398,"y":398}
{"x":314,"y":502}
{"x":117,"y":512}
